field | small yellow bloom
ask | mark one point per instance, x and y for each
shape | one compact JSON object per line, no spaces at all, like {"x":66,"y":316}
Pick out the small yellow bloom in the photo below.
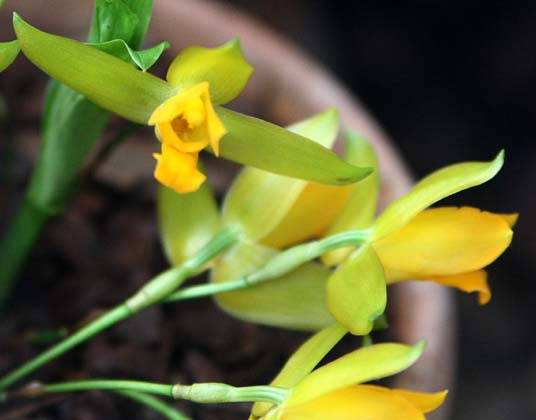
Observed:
{"x":186,"y":124}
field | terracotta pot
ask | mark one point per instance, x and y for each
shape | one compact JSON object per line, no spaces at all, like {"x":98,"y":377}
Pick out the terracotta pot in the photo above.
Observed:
{"x":285,"y":89}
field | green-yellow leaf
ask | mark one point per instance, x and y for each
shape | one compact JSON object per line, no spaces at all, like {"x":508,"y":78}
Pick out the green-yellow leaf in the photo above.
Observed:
{"x":255,"y":142}
{"x":112,"y":19}
{"x":357,"y":291}
{"x":366,"y":364}
{"x":8,"y":53}
{"x":434,"y":187}
{"x":187,"y":221}
{"x":224,"y":67}
{"x":359,"y":210}
{"x":144,"y":59}
{"x":106,"y":80}
{"x":296,"y":300}
{"x":258,"y":200}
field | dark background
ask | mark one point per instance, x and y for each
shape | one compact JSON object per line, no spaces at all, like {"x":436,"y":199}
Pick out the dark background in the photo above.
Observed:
{"x":451,"y":81}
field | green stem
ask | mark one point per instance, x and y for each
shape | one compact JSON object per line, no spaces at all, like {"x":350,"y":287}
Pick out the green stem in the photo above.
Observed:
{"x":281,"y":264}
{"x":153,"y":292}
{"x":18,"y":242}
{"x":154,"y":403}
{"x":206,"y":393}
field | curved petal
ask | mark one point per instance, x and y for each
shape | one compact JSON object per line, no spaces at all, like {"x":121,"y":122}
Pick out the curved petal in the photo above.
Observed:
{"x":434,"y":187}
{"x":423,"y":401}
{"x":8,"y":53}
{"x":259,"y":200}
{"x":445,"y":241}
{"x":366,"y":364}
{"x":357,"y":291}
{"x":178,"y":170}
{"x":475,"y":281}
{"x":296,"y":300}
{"x":224,"y":67}
{"x":361,"y":402}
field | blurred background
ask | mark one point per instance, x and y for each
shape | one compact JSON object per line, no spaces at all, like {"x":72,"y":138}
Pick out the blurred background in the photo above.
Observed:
{"x":447,"y":80}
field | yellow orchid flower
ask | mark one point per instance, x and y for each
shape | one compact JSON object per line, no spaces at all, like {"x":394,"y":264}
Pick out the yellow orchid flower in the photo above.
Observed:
{"x":335,"y":391}
{"x":186,"y":124}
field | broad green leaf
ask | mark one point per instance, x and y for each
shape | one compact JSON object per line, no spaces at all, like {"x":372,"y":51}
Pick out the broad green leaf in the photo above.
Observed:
{"x":296,"y":300}
{"x":366,"y":364}
{"x":144,"y":59}
{"x":187,"y":221}
{"x":303,"y":361}
{"x":8,"y":53}
{"x":255,"y":142}
{"x":143,"y":10}
{"x":358,"y":213}
{"x":112,"y":19}
{"x":434,"y":187}
{"x":106,"y":80}
{"x":224,"y":67}
{"x":357,"y":291}
{"x":258,"y":200}
{"x":71,"y":125}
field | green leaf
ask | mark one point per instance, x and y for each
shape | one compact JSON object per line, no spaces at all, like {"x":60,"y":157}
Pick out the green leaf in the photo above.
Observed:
{"x":434,"y":187}
{"x":366,"y":364}
{"x":144,"y":59}
{"x":258,"y":200}
{"x":8,"y":53}
{"x":359,"y":210}
{"x":187,"y":221}
{"x":71,"y":126}
{"x":106,"y":80}
{"x":296,"y":300}
{"x":112,"y":19}
{"x":303,"y":361}
{"x":143,"y":10}
{"x":357,"y":291}
{"x":255,"y":142}
{"x":224,"y":67}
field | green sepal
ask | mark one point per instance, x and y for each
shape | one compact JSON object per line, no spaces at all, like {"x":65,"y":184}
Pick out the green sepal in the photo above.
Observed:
{"x":106,"y":80}
{"x":8,"y":52}
{"x":258,"y":200}
{"x":296,"y":300}
{"x":366,"y":364}
{"x":186,"y":221}
{"x":224,"y":67}
{"x":303,"y":361}
{"x":258,"y":143}
{"x":144,"y":59}
{"x":434,"y":187}
{"x":358,"y":212}
{"x":357,"y":292}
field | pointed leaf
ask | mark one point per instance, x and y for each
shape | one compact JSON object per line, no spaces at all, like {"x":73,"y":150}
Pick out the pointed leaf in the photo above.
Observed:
{"x":366,"y":364}
{"x":224,"y":67}
{"x":357,"y":291}
{"x":358,"y":213}
{"x":8,"y":53}
{"x":112,"y":19}
{"x":186,"y":221}
{"x":106,"y":80}
{"x":295,"y":300}
{"x":434,"y":187}
{"x":258,"y":200}
{"x":144,"y":59}
{"x":143,"y":10}
{"x":254,"y":142}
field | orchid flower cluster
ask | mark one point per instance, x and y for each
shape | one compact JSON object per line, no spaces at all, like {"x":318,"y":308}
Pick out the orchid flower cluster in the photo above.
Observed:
{"x":298,"y":242}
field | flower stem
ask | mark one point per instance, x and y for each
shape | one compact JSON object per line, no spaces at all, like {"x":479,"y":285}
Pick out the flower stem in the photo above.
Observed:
{"x":281,"y":264}
{"x":154,"y":403}
{"x":153,"y":292}
{"x":206,"y":393}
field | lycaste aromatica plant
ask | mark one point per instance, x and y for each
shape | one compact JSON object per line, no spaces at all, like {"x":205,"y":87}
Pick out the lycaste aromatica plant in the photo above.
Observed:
{"x":297,"y":244}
